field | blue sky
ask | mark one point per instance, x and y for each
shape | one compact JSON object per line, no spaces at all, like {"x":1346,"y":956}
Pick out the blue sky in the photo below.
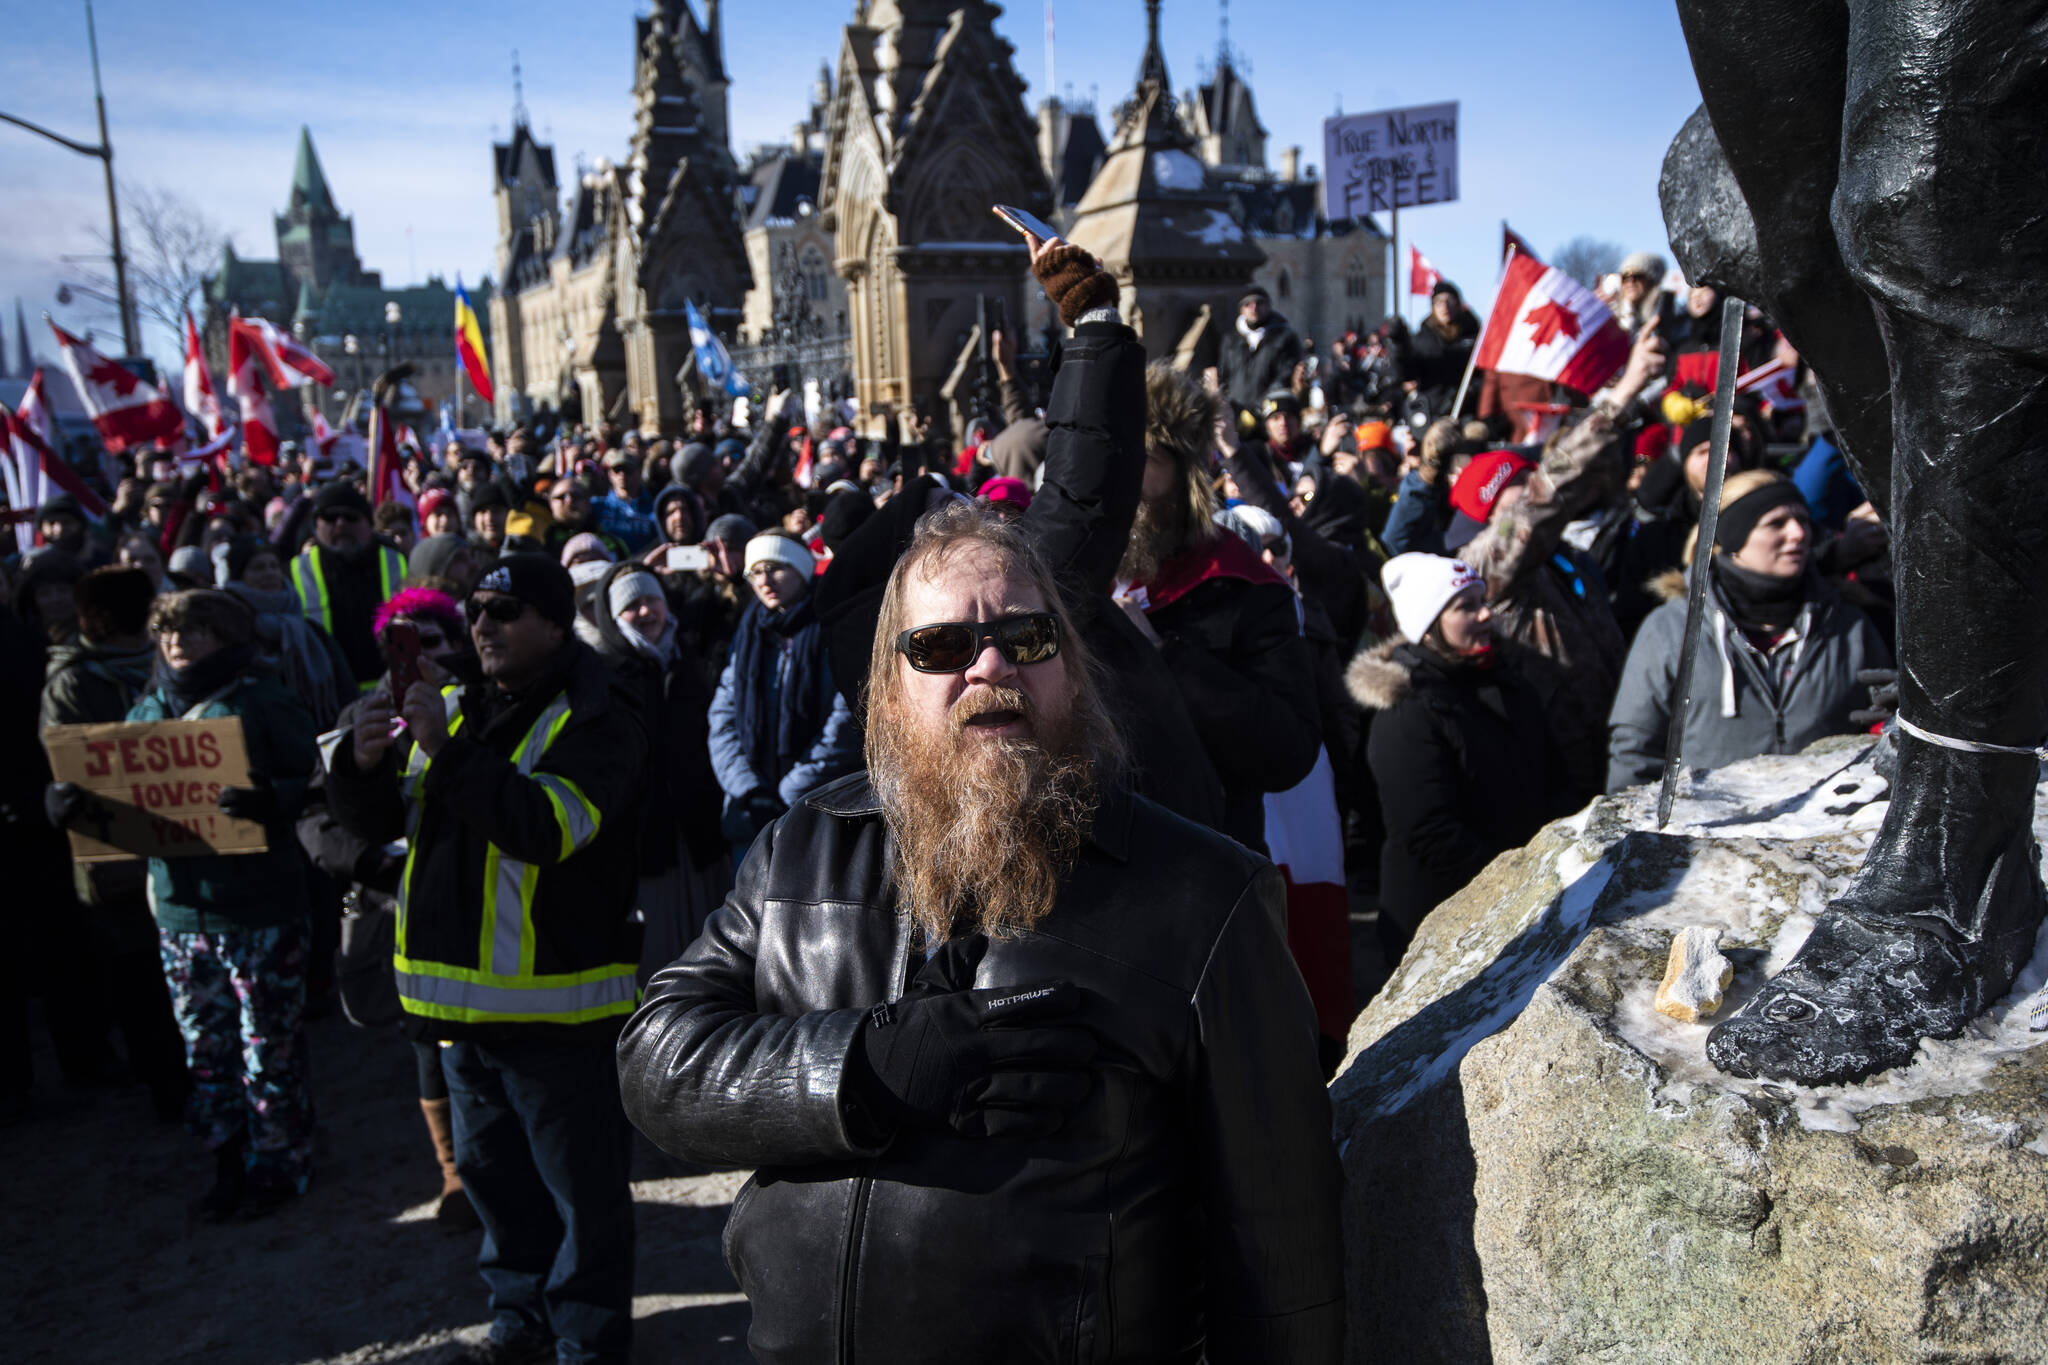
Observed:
{"x":1567,"y":107}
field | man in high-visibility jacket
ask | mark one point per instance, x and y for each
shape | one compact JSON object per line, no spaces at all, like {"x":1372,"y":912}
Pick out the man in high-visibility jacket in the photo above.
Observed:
{"x":516,"y":797}
{"x":342,"y":576}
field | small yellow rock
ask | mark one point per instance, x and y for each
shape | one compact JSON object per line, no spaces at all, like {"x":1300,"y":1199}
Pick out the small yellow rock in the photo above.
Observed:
{"x":1695,"y":975}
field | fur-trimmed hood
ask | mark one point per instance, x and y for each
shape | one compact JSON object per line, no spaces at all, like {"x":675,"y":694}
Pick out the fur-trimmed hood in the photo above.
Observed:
{"x":1670,"y":586}
{"x":1376,"y":679}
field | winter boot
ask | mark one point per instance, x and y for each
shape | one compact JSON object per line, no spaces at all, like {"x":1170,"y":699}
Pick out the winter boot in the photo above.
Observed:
{"x":453,"y":1210}
{"x":219,"y":1204}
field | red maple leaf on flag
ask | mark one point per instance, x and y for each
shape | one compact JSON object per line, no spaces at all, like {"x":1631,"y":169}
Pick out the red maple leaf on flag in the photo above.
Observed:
{"x":1550,"y":320}
{"x":118,"y":377}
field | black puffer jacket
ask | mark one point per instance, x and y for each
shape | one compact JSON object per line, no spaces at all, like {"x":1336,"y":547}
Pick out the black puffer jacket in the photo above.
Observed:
{"x":1247,"y":375}
{"x":1192,"y":1195}
{"x":1466,"y":770}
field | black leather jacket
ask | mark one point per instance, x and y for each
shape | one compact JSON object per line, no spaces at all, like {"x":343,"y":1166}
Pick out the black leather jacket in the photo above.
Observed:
{"x":1188,"y":1207}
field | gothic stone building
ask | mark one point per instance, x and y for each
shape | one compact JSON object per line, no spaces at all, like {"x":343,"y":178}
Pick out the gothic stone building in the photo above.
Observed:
{"x":928,"y":129}
{"x":590,"y":316}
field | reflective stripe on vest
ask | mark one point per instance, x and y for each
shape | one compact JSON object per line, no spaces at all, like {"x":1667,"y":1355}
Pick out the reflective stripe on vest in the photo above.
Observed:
{"x":311,"y":585}
{"x":504,"y":987}
{"x":309,"y":580}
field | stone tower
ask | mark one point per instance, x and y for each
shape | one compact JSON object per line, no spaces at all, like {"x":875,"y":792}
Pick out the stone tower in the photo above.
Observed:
{"x":675,"y":227}
{"x":928,"y":130}
{"x":316,"y":242}
{"x":1152,"y":218}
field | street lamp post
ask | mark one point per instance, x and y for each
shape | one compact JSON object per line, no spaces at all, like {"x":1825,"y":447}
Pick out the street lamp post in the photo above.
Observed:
{"x":105,"y":152}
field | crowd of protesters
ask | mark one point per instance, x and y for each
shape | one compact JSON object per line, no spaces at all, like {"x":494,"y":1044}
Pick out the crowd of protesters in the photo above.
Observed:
{"x":513,"y":742}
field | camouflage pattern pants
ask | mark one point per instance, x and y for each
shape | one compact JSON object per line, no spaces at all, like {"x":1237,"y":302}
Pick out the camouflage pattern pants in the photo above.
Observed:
{"x":240,"y":999}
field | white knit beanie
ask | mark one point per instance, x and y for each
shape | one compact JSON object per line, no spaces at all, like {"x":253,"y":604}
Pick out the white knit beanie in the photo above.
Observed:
{"x":769,"y":546}
{"x":1421,"y":586}
{"x":630,"y":587}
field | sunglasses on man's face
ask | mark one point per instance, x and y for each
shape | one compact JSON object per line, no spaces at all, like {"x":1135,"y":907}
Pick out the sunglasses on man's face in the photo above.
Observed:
{"x":953,"y":646}
{"x":503,"y":610}
{"x":340,"y":518}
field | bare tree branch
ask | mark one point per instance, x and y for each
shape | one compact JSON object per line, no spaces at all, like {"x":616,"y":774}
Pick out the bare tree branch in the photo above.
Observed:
{"x":172,"y":244}
{"x":1586,"y":259}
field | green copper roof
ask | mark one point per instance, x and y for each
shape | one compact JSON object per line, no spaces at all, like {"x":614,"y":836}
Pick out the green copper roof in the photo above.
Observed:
{"x":309,"y":183}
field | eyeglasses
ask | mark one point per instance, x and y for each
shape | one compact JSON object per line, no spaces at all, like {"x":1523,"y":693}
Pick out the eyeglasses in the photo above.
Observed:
{"x":503,"y":610}
{"x":953,"y":646}
{"x":340,"y":517}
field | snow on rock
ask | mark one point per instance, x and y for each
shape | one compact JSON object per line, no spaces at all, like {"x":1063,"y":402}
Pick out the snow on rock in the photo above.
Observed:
{"x":1541,"y":1166}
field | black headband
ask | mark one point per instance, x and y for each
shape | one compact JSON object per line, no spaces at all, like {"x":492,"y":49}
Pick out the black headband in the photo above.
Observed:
{"x":1740,"y":517}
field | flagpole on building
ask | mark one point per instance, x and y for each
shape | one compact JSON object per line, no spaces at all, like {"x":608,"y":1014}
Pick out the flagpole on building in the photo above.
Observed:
{"x":1466,"y":383}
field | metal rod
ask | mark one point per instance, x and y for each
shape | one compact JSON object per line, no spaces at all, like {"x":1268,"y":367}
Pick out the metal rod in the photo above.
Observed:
{"x":82,"y":148}
{"x":1702,"y":553}
{"x":99,"y":99}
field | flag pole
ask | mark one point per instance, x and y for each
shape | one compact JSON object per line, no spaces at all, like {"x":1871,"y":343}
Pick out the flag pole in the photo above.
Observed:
{"x":1472,"y":363}
{"x":1395,"y":288}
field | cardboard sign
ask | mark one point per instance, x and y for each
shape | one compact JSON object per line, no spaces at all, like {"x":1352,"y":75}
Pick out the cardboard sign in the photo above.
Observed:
{"x":158,"y":784}
{"x":1396,"y":158}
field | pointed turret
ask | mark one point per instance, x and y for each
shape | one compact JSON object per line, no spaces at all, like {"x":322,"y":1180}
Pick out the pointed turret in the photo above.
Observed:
{"x":309,"y":182}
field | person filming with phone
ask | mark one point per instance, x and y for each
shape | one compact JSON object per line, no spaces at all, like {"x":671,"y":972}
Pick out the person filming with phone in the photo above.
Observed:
{"x":514,"y":945}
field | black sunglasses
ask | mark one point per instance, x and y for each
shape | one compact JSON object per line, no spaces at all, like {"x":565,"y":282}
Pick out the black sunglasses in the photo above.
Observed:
{"x":503,"y":610}
{"x":953,"y":646}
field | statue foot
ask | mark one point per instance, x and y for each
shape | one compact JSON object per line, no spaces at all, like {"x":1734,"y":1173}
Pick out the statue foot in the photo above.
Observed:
{"x":1861,"y":993}
{"x":1938,"y":923}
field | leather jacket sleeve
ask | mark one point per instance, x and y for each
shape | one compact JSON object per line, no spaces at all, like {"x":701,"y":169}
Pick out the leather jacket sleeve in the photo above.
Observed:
{"x":710,"y":1079}
{"x":1275,"y":1281}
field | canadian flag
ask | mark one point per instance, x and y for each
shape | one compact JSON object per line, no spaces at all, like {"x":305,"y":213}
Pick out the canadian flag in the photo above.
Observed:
{"x":288,"y":364}
{"x":201,"y":400}
{"x":387,"y":481}
{"x":259,"y":424}
{"x":127,"y":411}
{"x":324,"y":436}
{"x":1546,"y":324}
{"x":1776,"y":383}
{"x":35,"y":471}
{"x":1422,"y":276}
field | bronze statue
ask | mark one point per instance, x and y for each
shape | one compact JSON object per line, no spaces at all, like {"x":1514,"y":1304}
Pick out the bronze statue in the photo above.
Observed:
{"x":1875,"y":172}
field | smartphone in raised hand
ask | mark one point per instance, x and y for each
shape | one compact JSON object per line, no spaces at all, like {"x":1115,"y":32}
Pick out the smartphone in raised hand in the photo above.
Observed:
{"x":1025,"y":221}
{"x":402,"y":658}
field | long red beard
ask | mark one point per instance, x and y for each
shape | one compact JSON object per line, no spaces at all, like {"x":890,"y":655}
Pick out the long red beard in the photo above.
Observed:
{"x":985,"y":830}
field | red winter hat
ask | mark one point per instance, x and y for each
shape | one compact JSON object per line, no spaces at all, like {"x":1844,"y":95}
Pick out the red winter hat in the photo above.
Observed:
{"x":1480,"y":486}
{"x":432,"y":501}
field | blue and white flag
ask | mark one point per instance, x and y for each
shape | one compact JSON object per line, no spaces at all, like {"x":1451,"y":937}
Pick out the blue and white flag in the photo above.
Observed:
{"x":712,"y":361}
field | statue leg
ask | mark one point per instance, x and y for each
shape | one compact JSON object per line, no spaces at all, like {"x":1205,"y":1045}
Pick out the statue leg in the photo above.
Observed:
{"x":1949,"y":901}
{"x":1773,"y":75}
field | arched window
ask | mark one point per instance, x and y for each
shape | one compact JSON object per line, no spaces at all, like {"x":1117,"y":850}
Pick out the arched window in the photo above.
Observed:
{"x":1285,"y":286}
{"x":1356,"y":281}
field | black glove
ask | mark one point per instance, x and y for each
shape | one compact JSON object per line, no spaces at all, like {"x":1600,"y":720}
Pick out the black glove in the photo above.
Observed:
{"x":66,"y":803}
{"x":995,"y":1062}
{"x":1884,"y":696}
{"x":248,"y":803}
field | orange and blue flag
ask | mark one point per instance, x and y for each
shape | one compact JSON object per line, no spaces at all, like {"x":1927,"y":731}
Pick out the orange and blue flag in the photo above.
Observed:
{"x":469,"y":344}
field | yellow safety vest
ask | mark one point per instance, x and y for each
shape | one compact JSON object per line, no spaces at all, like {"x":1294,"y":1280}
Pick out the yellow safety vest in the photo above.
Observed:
{"x":309,"y":580}
{"x":503,"y":987}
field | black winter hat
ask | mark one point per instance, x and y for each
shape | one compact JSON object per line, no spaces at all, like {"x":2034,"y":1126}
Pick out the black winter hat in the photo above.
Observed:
{"x":340,"y":496}
{"x":845,"y":514}
{"x":538,"y":580}
{"x":62,"y":505}
{"x":242,"y":549}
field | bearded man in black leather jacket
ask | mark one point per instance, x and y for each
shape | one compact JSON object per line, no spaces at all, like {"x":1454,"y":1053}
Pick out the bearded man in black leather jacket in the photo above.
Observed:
{"x":1022,"y":1059}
